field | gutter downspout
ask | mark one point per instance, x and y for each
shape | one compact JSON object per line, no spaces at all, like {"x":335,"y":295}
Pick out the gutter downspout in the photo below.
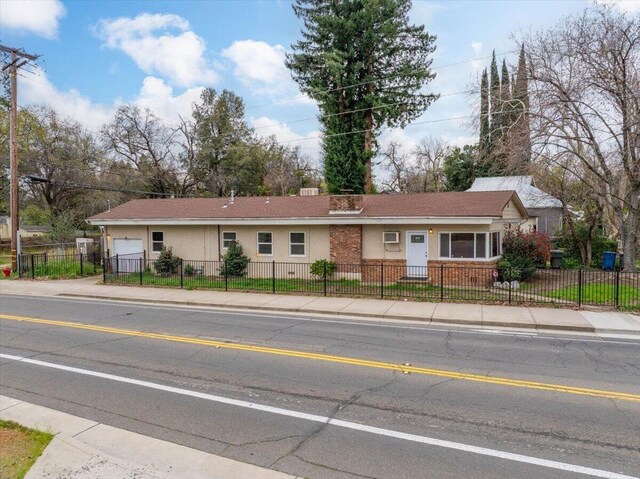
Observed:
{"x":219,"y":255}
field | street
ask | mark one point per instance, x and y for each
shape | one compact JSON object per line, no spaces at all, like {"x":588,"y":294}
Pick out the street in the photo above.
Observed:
{"x":332,"y":398}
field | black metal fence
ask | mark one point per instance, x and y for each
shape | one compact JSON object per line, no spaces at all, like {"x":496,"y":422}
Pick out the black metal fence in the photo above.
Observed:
{"x":59,"y":265}
{"x":441,"y":282}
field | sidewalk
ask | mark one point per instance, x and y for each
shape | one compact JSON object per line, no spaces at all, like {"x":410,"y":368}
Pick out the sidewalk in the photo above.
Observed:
{"x":536,"y":318}
{"x":83,"y":448}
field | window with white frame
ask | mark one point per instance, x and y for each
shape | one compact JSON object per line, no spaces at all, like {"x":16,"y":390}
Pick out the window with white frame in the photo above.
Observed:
{"x":463,"y":245}
{"x":157,"y":241}
{"x":297,"y":245}
{"x":228,"y":237}
{"x":265,"y":243}
{"x":496,"y":245}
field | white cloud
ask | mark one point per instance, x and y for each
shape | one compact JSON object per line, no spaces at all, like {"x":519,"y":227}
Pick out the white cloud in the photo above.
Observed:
{"x":154,"y":94}
{"x":477,"y":48}
{"x":36,"y":16}
{"x":160,"y":44}
{"x":258,"y":63}
{"x":37,"y":89}
{"x":309,"y":143}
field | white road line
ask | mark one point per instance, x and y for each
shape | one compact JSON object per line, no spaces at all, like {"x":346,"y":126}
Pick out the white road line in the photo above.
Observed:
{"x":334,"y":422}
{"x":297,"y":316}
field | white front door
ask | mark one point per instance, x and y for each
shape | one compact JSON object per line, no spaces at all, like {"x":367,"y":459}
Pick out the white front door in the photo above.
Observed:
{"x":417,"y":243}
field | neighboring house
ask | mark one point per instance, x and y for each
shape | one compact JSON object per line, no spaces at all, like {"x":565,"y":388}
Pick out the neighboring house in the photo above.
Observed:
{"x":26,"y":231}
{"x":408,"y":231}
{"x":545,"y":211}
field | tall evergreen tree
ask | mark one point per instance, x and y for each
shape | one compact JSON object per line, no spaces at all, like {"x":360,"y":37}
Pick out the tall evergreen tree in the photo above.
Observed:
{"x":365,"y":64}
{"x":484,"y":116}
{"x":520,"y":107}
{"x":496,"y":116}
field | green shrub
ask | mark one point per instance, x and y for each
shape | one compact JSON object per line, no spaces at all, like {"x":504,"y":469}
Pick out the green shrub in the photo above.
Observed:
{"x":167,"y":263}
{"x":516,"y":268}
{"x":571,"y":263}
{"x":599,"y":244}
{"x":323,"y":268}
{"x":188,"y":270}
{"x":234,"y":262}
{"x":532,"y":245}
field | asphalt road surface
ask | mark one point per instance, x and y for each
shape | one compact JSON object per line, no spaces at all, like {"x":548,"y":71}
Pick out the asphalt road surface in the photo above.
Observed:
{"x":333,"y":398}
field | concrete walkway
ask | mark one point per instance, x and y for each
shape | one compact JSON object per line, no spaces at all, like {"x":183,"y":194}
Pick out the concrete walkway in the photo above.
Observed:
{"x":83,"y":448}
{"x":610,"y":322}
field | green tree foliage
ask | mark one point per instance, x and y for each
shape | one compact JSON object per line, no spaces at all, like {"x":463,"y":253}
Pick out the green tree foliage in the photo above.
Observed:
{"x":323,"y":268}
{"x":485,"y":133}
{"x":234,"y":262}
{"x":462,"y":166}
{"x":227,"y":154}
{"x":520,"y":133}
{"x":365,"y":65}
{"x":496,"y":111}
{"x":35,"y":215}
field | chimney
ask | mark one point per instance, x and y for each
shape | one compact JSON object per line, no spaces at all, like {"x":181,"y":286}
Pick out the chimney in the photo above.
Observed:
{"x":345,"y":204}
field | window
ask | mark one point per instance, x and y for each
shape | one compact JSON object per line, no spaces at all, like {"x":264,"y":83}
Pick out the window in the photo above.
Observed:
{"x":265,"y":243}
{"x":228,"y":237}
{"x":296,"y":244}
{"x":463,"y":245}
{"x":496,"y":246}
{"x":157,"y":241}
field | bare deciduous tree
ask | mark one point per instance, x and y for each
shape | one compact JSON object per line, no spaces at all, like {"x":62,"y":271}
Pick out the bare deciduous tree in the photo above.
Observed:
{"x":428,"y":172}
{"x":585,"y":103}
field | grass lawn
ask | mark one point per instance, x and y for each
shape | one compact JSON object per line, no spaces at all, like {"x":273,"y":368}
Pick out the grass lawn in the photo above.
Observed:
{"x":20,"y":448}
{"x":63,"y":269}
{"x":350,"y":287}
{"x":600,"y":293}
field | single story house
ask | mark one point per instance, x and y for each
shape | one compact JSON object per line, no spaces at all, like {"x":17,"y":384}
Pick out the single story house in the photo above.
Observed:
{"x":409,"y":232}
{"x":545,"y":211}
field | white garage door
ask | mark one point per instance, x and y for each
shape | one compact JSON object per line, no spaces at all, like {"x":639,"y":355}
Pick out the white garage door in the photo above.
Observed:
{"x":128,"y":252}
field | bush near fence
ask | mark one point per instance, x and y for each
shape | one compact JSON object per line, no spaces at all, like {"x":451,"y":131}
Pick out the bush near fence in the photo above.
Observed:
{"x":615,"y":289}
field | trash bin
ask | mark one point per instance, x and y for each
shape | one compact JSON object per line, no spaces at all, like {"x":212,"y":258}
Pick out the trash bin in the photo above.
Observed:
{"x":609,"y":260}
{"x":556,"y":258}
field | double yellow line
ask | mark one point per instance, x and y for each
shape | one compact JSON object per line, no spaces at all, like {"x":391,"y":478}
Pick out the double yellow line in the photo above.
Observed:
{"x":404,"y":368}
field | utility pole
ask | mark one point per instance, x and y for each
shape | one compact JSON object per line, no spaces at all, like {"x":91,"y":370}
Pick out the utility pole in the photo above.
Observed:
{"x":18,"y":60}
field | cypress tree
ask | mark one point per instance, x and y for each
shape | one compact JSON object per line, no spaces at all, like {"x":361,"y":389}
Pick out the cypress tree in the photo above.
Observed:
{"x":496,"y":116}
{"x":522,"y":132}
{"x":484,"y":116}
{"x":365,"y":65}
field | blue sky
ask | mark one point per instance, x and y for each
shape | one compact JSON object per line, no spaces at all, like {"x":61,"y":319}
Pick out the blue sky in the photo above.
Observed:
{"x":160,"y":54}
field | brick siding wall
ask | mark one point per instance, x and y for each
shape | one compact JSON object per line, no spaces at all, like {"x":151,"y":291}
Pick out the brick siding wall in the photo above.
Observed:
{"x":393,"y":270}
{"x":462,"y":273}
{"x":345,"y":247}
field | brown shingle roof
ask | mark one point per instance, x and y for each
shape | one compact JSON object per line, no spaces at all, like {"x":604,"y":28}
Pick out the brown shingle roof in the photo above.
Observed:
{"x":449,"y":204}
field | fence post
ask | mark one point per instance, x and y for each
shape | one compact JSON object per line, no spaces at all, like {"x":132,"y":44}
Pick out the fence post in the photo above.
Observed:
{"x":381,"y":280}
{"x":510,"y":281}
{"x":324,"y":277}
{"x":181,"y":274}
{"x":441,"y":283}
{"x":580,"y":287}
{"x":104,"y":269}
{"x":141,"y":269}
{"x":117,"y":265}
{"x":33,"y":269}
{"x":273,"y":276}
{"x":617,"y":300}
{"x":226,"y":277}
{"x":81,"y":264}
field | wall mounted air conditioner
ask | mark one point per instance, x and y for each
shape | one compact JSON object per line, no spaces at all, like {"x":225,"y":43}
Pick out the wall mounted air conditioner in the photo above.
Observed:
{"x":391,"y":237}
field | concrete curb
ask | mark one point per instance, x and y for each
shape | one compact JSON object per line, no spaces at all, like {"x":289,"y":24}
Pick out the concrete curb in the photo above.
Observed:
{"x":434,"y":321}
{"x":83,"y":448}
